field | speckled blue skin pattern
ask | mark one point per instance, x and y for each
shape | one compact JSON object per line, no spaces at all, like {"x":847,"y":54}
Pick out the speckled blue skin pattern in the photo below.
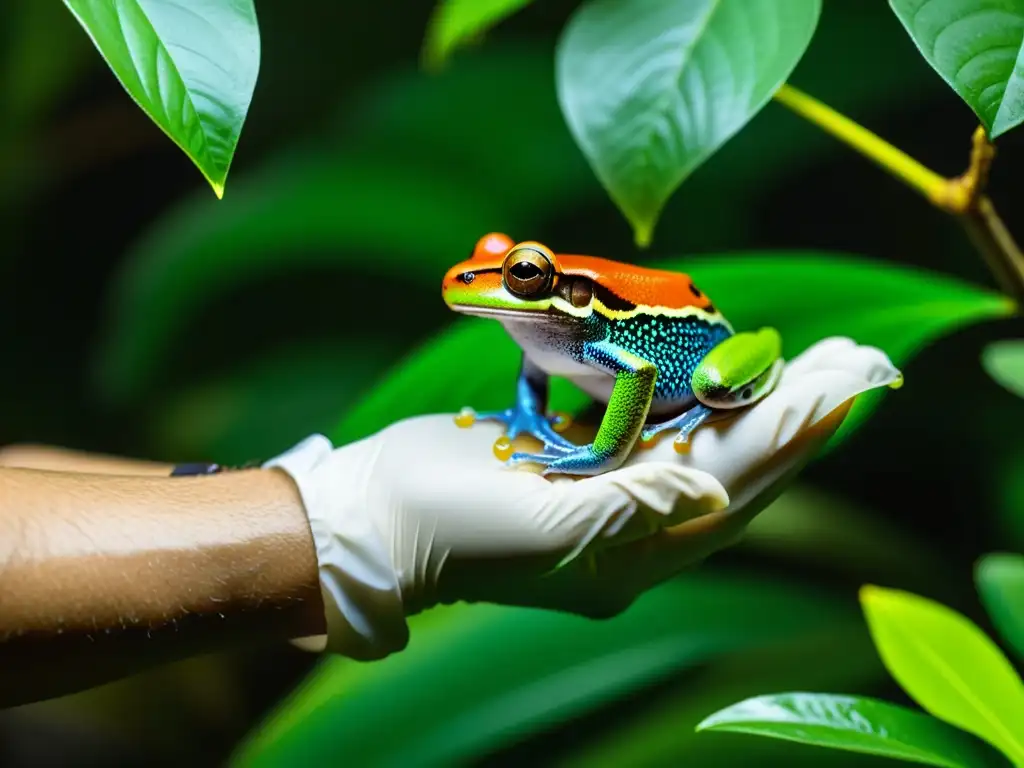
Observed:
{"x":652,"y":358}
{"x":676,"y":345}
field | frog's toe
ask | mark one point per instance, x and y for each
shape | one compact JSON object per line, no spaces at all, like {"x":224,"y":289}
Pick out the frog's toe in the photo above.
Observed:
{"x":544,"y":431}
{"x":544,"y":458}
{"x":519,"y":421}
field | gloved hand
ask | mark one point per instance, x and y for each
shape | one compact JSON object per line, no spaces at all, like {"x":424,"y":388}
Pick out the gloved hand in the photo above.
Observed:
{"x":423,"y":513}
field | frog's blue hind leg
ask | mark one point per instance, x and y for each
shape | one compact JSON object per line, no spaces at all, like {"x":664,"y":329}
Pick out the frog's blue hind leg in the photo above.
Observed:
{"x":623,"y":419}
{"x":528,"y":415}
{"x":685,"y":422}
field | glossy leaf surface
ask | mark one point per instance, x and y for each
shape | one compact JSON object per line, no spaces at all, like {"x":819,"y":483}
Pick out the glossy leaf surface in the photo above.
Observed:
{"x":191,"y":65}
{"x":473,"y":677}
{"x":976,"y":47}
{"x":652,"y":88}
{"x":856,"y":724}
{"x":1000,"y":578}
{"x":806,"y":296}
{"x":456,"y":22}
{"x":948,"y":665}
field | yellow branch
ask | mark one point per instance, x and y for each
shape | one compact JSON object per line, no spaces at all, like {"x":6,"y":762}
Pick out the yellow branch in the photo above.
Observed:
{"x":963,"y":196}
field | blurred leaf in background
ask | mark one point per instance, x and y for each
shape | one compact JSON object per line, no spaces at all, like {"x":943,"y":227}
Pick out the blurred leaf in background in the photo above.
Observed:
{"x":1004,"y":361}
{"x":1000,"y":578}
{"x":456,"y":22}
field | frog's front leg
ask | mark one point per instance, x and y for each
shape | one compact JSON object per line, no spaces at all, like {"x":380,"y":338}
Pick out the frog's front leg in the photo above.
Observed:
{"x":528,"y":415}
{"x":624,"y":417}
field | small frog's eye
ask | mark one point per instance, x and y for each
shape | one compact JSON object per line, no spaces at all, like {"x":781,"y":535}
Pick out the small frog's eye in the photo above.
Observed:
{"x":527,"y":272}
{"x":467,"y":277}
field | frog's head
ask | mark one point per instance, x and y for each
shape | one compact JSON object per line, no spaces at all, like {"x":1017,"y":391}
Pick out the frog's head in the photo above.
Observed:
{"x":517,"y":281}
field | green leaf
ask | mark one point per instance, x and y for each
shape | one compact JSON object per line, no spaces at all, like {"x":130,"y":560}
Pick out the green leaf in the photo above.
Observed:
{"x":855,"y":724}
{"x":456,"y":22}
{"x":475,"y":677}
{"x":1004,"y":361}
{"x":975,"y":46}
{"x":948,"y":665}
{"x":1000,"y":578}
{"x":652,"y":88}
{"x":806,"y":296}
{"x":191,"y":66}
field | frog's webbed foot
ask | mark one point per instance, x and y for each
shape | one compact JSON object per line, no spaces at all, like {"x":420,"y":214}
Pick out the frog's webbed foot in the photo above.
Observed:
{"x":579,"y":460}
{"x":518,"y":420}
{"x":686,"y":423}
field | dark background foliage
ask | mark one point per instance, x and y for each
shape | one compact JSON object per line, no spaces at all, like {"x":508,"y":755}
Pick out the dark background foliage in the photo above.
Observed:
{"x":93,"y":199}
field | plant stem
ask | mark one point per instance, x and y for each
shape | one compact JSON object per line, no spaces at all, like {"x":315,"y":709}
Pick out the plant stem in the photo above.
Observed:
{"x":963,"y":197}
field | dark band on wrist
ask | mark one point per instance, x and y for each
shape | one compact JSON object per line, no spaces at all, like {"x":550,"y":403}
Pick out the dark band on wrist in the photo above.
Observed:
{"x":209,"y":468}
{"x":196,"y":468}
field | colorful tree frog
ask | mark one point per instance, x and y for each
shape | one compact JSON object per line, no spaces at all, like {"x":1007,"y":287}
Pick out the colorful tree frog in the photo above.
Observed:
{"x":646,"y":342}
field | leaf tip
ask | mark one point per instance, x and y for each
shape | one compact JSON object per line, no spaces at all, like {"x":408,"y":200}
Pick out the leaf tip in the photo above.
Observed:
{"x":218,"y":189}
{"x":432,"y":57}
{"x":871,"y":594}
{"x":643,"y":233}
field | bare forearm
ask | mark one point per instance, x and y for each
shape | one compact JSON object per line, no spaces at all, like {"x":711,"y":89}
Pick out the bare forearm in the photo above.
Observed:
{"x":66,"y":460}
{"x":102,"y":575}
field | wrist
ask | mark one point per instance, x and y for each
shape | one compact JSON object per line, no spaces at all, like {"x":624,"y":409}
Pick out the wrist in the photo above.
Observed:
{"x":362,"y":597}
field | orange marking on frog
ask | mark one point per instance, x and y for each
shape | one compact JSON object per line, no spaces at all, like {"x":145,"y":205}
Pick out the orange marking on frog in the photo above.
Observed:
{"x":639,"y":285}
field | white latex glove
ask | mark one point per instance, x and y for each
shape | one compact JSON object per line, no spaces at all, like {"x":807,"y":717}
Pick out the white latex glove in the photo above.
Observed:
{"x":423,"y":513}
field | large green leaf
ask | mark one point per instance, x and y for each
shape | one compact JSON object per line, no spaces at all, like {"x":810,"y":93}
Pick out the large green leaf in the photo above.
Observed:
{"x":1000,"y":578}
{"x":948,"y":665}
{"x":651,"y":88}
{"x":305,"y":209}
{"x":976,"y":47}
{"x":191,"y":66}
{"x":1004,"y":361}
{"x":455,"y":22}
{"x":476,"y":678}
{"x":856,"y":724}
{"x":806,"y":296}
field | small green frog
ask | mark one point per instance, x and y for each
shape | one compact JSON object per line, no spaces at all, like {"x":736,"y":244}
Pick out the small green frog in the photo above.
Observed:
{"x":648,"y":343}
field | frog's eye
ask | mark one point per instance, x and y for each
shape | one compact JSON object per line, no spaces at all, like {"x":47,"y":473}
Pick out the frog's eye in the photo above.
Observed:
{"x":527,"y":272}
